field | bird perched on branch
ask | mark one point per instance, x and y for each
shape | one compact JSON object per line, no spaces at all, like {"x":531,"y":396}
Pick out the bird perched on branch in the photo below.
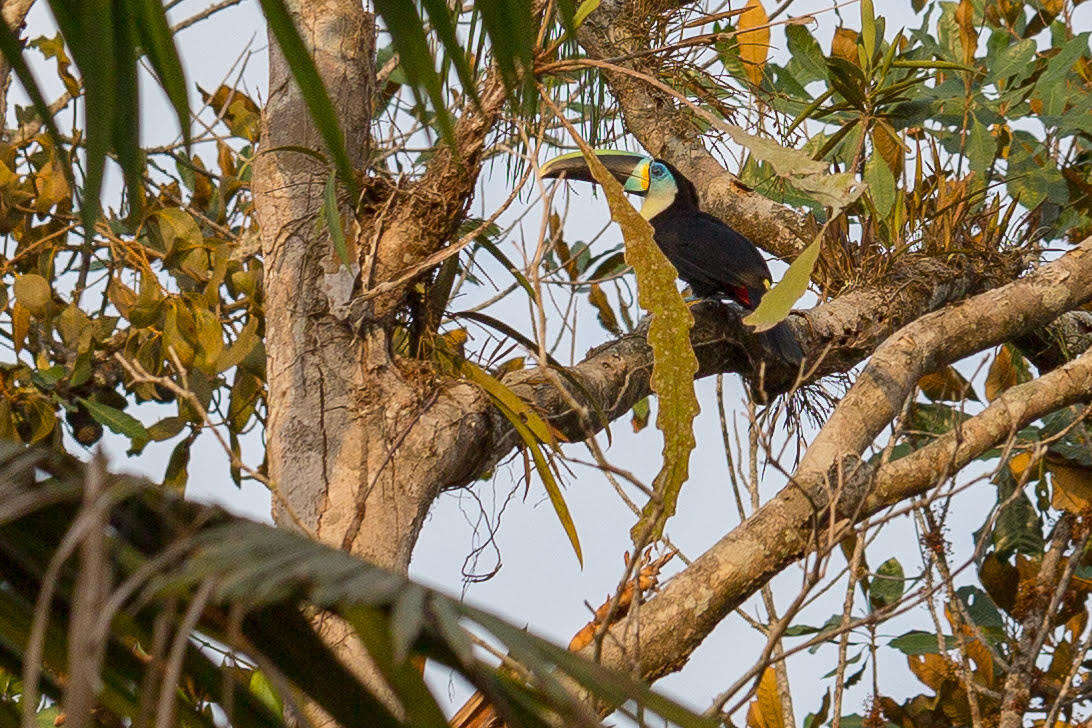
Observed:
{"x":715,"y":260}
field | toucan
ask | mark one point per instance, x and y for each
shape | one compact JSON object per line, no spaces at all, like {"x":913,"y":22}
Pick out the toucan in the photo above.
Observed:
{"x":712,"y":258}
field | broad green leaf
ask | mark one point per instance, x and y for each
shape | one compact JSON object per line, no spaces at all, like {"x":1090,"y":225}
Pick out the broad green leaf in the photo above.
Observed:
{"x":118,"y":421}
{"x":868,"y":30}
{"x":887,"y":584}
{"x":881,"y":184}
{"x":800,"y":169}
{"x":779,"y":300}
{"x":311,"y":86}
{"x":1013,"y":60}
{"x":674,"y":363}
{"x":917,"y":642}
{"x":807,"y":62}
{"x":981,"y":147}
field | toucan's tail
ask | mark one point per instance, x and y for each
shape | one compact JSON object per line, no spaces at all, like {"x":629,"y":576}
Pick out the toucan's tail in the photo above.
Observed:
{"x":780,"y":341}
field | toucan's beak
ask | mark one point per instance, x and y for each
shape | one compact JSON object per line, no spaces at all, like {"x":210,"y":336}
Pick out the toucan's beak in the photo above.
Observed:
{"x":628,"y":168}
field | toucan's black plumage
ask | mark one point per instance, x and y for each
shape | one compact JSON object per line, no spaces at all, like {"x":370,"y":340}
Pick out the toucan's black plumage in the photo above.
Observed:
{"x":715,"y":260}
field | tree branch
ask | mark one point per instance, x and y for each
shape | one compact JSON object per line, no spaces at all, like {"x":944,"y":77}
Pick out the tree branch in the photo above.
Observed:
{"x":612,"y":377}
{"x":695,"y":601}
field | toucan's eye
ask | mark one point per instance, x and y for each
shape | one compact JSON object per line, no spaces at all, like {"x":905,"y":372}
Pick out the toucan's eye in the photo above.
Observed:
{"x":657,"y":170}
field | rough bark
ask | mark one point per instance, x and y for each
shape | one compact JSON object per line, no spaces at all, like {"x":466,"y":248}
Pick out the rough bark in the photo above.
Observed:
{"x":359,"y":441}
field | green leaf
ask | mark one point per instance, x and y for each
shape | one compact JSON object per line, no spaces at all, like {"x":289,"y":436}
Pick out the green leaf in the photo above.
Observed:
{"x":916,"y":642}
{"x":311,"y":86}
{"x":586,"y":8}
{"x":1013,"y":60}
{"x":674,"y":362}
{"x":407,"y":30}
{"x":532,"y":429}
{"x":89,"y":29}
{"x":177,"y":473}
{"x":800,"y":169}
{"x":779,"y":300}
{"x":118,"y":421}
{"x":149,"y":20}
{"x":981,"y":147}
{"x":868,"y":29}
{"x":807,"y":62}
{"x":331,"y":216}
{"x":887,"y":584}
{"x":881,"y":184}
{"x":263,"y":690}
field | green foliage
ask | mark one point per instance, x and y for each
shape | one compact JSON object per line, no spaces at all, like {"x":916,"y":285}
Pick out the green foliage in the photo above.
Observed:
{"x":254,"y":591}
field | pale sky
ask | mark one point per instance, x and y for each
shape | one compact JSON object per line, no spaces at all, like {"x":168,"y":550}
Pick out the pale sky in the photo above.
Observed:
{"x":540,"y":584}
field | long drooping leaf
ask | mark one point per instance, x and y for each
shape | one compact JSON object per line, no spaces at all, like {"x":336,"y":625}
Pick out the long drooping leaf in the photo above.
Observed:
{"x":407,"y":30}
{"x":147,"y":19}
{"x":674,"y":362}
{"x":532,"y":429}
{"x":262,"y":588}
{"x":89,"y":30}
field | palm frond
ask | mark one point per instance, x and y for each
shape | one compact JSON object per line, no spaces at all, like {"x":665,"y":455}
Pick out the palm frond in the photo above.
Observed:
{"x":187,"y":581}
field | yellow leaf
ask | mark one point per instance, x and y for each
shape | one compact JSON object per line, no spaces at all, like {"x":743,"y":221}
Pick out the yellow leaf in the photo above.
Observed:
{"x":947,"y":385}
{"x":932,"y":669}
{"x":753,"y":34}
{"x":1002,"y":374}
{"x":238,"y":111}
{"x":597,"y":298}
{"x":20,"y":325}
{"x":673,"y":361}
{"x":888,"y":145}
{"x":514,"y":364}
{"x":75,"y":328}
{"x":1071,"y":486}
{"x":765,"y":710}
{"x":210,"y":337}
{"x":1019,"y":463}
{"x":844,"y":45}
{"x":968,"y":34}
{"x":179,"y":229}
{"x":32,"y":291}
{"x":779,"y":300}
{"x":51,"y":186}
{"x":505,"y":396}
